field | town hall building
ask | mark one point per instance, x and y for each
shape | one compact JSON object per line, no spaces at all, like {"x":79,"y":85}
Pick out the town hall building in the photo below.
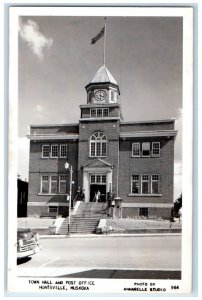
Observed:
{"x":134,"y":161}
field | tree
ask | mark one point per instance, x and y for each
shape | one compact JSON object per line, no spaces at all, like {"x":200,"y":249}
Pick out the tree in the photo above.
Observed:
{"x":178,"y":203}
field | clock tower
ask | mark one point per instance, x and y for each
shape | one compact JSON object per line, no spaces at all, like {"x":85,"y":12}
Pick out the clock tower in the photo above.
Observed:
{"x":103,"y":88}
{"x":99,"y":136}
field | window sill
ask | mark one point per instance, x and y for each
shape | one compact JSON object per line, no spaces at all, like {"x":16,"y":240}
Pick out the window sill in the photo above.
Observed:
{"x":47,"y":194}
{"x":145,"y":195}
{"x":59,"y":157}
{"x":97,"y":156}
{"x":151,"y":156}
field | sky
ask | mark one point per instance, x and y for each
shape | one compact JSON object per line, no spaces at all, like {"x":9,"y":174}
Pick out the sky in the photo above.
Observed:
{"x":56,"y":61}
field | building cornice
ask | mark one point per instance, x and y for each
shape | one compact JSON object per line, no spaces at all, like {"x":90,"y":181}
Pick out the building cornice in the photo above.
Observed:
{"x":54,"y":125}
{"x":99,"y":119}
{"x":149,"y":205}
{"x":172,"y":120}
{"x":42,"y":137}
{"x":97,"y":105}
{"x":150,"y":133}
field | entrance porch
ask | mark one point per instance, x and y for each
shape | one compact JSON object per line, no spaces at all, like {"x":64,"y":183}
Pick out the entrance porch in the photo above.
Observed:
{"x":97,"y":180}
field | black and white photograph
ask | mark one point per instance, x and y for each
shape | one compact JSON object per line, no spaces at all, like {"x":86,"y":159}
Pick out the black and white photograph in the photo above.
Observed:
{"x":100,"y":146}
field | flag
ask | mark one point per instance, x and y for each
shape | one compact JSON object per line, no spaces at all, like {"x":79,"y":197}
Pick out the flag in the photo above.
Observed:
{"x":98,"y":36}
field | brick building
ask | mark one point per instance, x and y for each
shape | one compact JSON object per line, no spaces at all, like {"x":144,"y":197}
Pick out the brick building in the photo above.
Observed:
{"x":133,"y":160}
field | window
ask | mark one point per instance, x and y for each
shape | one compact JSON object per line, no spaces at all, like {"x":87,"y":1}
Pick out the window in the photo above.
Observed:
{"x":149,"y":184}
{"x":93,"y":113}
{"x":92,"y":179}
{"x":135,"y":184}
{"x":53,"y":184}
{"x":53,"y":210}
{"x":105,"y":112}
{"x":145,"y":184}
{"x":146,"y":149}
{"x":45,"y":151}
{"x":136,"y":149}
{"x":62,"y":184}
{"x":54,"y":150}
{"x":112,"y":96}
{"x":98,"y":178}
{"x":103,"y":178}
{"x":155,"y":184}
{"x":98,"y":145}
{"x":99,"y":112}
{"x":155,"y":149}
{"x":63,"y":151}
{"x":143,"y":211}
{"x":45,"y":184}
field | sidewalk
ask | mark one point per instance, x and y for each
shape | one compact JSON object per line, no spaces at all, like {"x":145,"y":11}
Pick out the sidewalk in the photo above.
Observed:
{"x":108,"y":235}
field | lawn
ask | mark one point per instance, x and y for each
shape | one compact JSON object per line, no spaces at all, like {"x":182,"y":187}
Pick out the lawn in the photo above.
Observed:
{"x":130,"y":224}
{"x":34,"y":222}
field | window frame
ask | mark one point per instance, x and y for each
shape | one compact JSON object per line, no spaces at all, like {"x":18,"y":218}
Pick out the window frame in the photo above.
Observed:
{"x":101,"y":109}
{"x":146,"y":150}
{"x":152,"y":149}
{"x":154,"y":180}
{"x":54,"y":145}
{"x":51,"y":181}
{"x":102,"y":178}
{"x":137,"y":181}
{"x":42,"y":154}
{"x":143,"y":208}
{"x":133,"y":145}
{"x":48,"y":181}
{"x":142,"y":181}
{"x":97,"y":143}
{"x":62,"y":180}
{"x":63,"y":145}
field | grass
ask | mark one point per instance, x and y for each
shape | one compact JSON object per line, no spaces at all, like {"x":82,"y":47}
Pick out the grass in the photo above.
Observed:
{"x":127,"y":223}
{"x":33,"y":222}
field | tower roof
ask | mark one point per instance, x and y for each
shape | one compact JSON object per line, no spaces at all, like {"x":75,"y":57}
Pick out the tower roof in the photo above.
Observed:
{"x":103,"y":75}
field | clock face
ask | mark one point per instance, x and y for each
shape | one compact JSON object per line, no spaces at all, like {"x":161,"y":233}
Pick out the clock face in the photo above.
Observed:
{"x":100,"y":95}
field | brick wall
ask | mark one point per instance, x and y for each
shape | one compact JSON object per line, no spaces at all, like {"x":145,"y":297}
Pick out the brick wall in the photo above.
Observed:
{"x":39,"y":166}
{"x":163,"y":165}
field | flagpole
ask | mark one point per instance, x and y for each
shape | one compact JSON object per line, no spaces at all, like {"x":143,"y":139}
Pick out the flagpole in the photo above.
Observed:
{"x":105,"y":32}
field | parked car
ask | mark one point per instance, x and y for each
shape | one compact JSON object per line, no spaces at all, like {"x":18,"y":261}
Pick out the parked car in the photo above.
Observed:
{"x":27,"y":243}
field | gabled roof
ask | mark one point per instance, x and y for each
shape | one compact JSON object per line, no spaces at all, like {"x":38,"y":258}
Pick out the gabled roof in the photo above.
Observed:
{"x":103,"y":75}
{"x":97,"y":163}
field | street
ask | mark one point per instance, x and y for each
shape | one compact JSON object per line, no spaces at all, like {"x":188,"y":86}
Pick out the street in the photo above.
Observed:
{"x":63,"y":256}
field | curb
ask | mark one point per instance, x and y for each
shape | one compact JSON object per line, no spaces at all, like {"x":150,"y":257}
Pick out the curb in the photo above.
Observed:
{"x":108,"y":235}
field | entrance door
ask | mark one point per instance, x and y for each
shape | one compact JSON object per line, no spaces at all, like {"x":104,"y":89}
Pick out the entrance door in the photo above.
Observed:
{"x":94,"y":188}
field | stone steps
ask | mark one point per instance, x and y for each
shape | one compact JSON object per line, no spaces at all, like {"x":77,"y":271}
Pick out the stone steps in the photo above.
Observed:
{"x":86,"y":219}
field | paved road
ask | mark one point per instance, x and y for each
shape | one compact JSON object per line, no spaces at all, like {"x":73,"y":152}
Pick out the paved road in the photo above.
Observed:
{"x":73,"y":255}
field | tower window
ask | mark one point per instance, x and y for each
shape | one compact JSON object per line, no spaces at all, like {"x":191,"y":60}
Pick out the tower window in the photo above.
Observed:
{"x":105,"y":112}
{"x":99,"y":112}
{"x":98,"y":145}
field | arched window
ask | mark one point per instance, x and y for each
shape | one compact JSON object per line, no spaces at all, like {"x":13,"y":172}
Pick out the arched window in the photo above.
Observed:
{"x":98,"y":145}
